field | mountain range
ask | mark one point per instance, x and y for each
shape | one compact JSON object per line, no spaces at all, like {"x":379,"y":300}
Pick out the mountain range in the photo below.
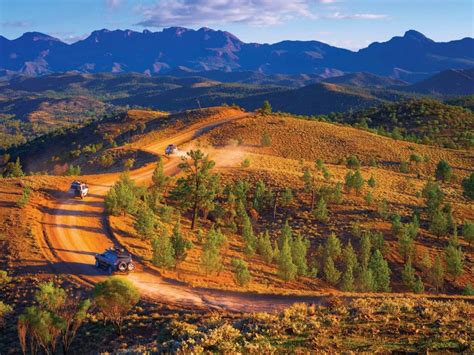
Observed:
{"x":178,"y":51}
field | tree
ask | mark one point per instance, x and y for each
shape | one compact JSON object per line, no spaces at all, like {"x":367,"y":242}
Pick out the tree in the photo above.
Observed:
{"x":198,"y":189}
{"x":347,"y":282}
{"x":121,"y":198}
{"x":381,"y":272}
{"x":331,"y":273}
{"x":368,"y":198}
{"x":382,"y":209}
{"x":266,"y":140}
{"x":321,"y":211}
{"x":286,"y":196}
{"x":371,"y":182}
{"x":352,"y":162}
{"x":57,"y":316}
{"x":248,"y":236}
{"x":332,"y":247}
{"x":406,"y":245}
{"x":145,"y":222}
{"x":468,"y":290}
{"x":366,"y":280}
{"x":115,"y":297}
{"x":434,"y":196}
{"x":13,"y":169}
{"x":266,"y":108}
{"x":454,"y":258}
{"x":350,"y":257}
{"x":443,"y":171}
{"x":287,"y":270}
{"x":439,"y":224}
{"x":354,"y":180}
{"x":179,"y":243}
{"x":264,"y":247}
{"x":73,"y":170}
{"x":159,"y":179}
{"x":299,"y":250}
{"x":468,"y":186}
{"x":365,"y":250}
{"x":408,"y":275}
{"x":241,"y":272}
{"x":309,"y":185}
{"x":468,"y":232}
{"x":211,"y":257}
{"x":286,"y":233}
{"x":397,"y":226}
{"x":163,"y":253}
{"x":436,"y":274}
{"x":261,"y":196}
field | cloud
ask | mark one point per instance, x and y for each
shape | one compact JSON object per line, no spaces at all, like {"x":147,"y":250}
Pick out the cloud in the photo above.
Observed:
{"x":366,"y":16}
{"x":16,"y":24}
{"x":204,"y":12}
{"x":113,"y":4}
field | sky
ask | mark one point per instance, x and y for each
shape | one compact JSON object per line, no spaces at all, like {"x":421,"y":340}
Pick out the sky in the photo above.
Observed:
{"x":351,"y":24}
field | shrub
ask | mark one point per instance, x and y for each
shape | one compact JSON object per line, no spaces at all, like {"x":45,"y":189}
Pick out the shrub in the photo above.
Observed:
{"x":468,"y":290}
{"x":25,"y":197}
{"x":266,"y":140}
{"x":210,"y":257}
{"x":321,"y":211}
{"x":4,"y":278}
{"x":73,"y":170}
{"x":371,"y":182}
{"x":179,"y":243}
{"x":352,"y":162}
{"x":145,"y":222}
{"x":404,"y":168}
{"x":245,"y":163}
{"x":443,"y":171}
{"x":115,"y":297}
{"x":241,"y":272}
{"x":468,"y":232}
{"x":5,"y":309}
{"x":264,"y":247}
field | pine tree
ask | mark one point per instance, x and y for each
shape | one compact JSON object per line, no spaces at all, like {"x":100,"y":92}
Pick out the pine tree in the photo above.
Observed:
{"x":260,"y":196}
{"x":381,"y":272}
{"x":347,"y":283}
{"x":408,"y":275}
{"x":179,"y":243}
{"x":331,"y":273}
{"x":366,"y":280}
{"x":454,"y":258}
{"x":443,"y":171}
{"x":437,"y":274}
{"x":13,"y":169}
{"x":163,"y":253}
{"x":276,"y":251}
{"x":198,"y":189}
{"x":365,"y":250}
{"x":371,"y":182}
{"x":368,"y":198}
{"x":309,"y":185}
{"x":159,"y":179}
{"x":426,"y":263}
{"x":468,"y":186}
{"x":210,"y":257}
{"x":419,"y":287}
{"x":145,"y":222}
{"x":265,"y":247}
{"x":285,"y":234}
{"x":299,"y":250}
{"x":248,"y":236}
{"x":287,"y":270}
{"x":332,"y":246}
{"x":406,"y":245}
{"x":122,"y":197}
{"x":241,"y":272}
{"x":350,"y":257}
{"x":266,"y":108}
{"x":321,"y":211}
{"x":468,"y":232}
{"x":434,"y":196}
{"x":397,"y":225}
{"x":439,"y":224}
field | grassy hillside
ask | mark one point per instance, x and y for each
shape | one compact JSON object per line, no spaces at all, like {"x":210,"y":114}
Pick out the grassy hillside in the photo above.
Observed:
{"x":423,"y":120}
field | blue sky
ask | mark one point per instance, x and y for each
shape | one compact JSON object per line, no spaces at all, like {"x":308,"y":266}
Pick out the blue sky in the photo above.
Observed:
{"x":345,"y":23}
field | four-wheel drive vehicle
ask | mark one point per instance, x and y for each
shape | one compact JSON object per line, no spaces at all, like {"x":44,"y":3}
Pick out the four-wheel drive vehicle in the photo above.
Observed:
{"x":80,"y":189}
{"x":115,"y":259}
{"x":171,"y":149}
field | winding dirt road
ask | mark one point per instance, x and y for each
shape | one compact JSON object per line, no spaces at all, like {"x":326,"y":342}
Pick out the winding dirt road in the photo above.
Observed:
{"x":75,"y":230}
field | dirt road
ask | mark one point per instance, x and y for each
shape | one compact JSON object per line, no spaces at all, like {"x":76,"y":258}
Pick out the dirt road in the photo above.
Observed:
{"x":75,"y":230}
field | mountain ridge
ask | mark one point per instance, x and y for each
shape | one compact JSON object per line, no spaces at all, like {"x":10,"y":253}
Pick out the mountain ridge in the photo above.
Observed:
{"x":205,"y":49}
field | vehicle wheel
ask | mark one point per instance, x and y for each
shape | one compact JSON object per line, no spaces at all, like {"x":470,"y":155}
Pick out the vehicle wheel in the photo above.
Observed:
{"x":131,"y":267}
{"x":110,"y":270}
{"x":97,"y":264}
{"x":122,"y":266}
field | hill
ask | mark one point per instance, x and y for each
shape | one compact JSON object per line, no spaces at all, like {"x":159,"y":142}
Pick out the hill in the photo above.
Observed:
{"x":407,"y":57}
{"x":364,"y":80}
{"x":448,"y":83}
{"x":420,"y":120}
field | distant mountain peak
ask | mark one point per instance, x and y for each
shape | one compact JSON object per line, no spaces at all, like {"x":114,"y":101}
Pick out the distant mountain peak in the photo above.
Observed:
{"x":37,"y":36}
{"x":412,"y":34}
